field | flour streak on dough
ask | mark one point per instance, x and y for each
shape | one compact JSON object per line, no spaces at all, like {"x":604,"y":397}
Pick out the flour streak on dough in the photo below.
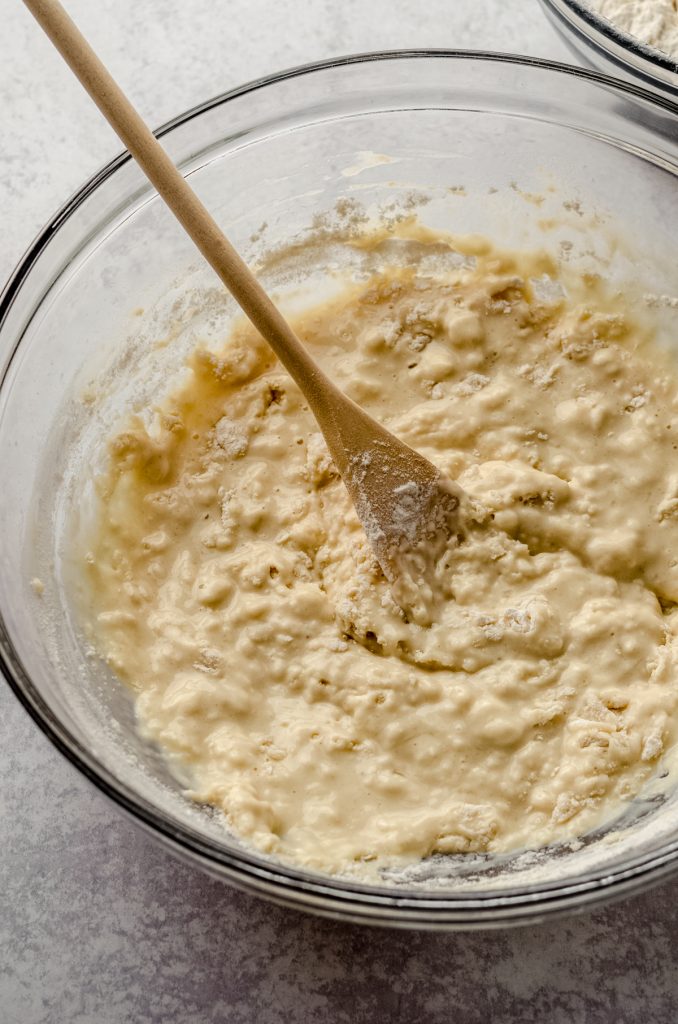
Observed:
{"x":233,"y":588}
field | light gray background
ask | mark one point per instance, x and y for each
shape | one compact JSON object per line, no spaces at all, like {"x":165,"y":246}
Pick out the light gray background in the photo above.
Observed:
{"x":97,"y":924}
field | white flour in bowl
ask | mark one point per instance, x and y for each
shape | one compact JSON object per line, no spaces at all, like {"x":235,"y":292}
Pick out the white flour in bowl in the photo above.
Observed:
{"x":654,"y":22}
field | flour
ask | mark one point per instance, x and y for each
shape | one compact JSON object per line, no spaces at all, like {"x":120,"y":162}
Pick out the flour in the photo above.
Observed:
{"x":230,"y":436}
{"x":654,"y":22}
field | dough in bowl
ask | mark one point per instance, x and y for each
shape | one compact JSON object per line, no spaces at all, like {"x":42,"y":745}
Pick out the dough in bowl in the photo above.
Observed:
{"x":231,"y":586}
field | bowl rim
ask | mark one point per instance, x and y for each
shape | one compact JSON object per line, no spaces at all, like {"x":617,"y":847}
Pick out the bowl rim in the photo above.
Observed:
{"x":613,"y":34}
{"x":290,"y":886}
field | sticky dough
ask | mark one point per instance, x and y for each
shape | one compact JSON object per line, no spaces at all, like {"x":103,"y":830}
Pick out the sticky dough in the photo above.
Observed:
{"x":233,"y":588}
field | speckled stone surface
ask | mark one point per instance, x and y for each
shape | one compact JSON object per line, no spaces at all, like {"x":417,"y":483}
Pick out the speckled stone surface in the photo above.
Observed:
{"x":97,"y":924}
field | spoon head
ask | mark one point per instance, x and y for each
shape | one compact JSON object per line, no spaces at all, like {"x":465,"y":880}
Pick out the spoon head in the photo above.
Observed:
{"x":411,"y":515}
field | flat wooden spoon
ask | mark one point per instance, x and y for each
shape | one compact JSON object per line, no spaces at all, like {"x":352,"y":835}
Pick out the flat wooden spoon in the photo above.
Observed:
{"x":408,"y":509}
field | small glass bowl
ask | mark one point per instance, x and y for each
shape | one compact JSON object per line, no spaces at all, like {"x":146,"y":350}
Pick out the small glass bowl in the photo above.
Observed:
{"x":527,"y":152}
{"x":601,"y":45}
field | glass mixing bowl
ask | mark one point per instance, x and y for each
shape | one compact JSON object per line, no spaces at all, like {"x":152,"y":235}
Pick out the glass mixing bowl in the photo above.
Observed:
{"x":525,"y":151}
{"x":600,"y":44}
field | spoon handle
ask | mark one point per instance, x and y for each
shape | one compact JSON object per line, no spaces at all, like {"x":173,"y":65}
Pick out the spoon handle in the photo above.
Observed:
{"x":181,"y":199}
{"x":354,"y":439}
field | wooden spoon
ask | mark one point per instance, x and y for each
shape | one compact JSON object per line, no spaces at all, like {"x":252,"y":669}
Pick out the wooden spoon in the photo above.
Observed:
{"x":408,"y":509}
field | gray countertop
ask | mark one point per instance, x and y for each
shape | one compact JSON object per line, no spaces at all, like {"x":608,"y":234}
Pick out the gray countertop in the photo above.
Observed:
{"x":97,"y":923}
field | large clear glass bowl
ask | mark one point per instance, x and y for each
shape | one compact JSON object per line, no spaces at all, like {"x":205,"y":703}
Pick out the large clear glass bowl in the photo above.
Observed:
{"x":602,"y":45}
{"x":522,"y":150}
